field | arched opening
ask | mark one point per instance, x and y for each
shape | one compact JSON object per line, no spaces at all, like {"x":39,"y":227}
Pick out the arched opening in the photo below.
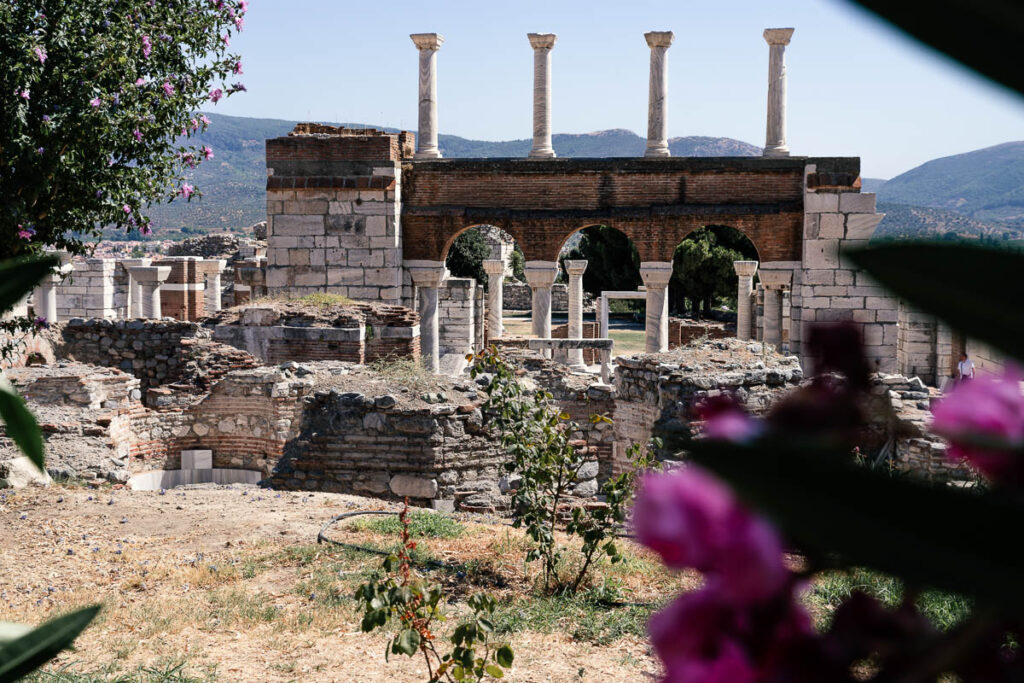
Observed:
{"x":703,"y":284}
{"x":474,"y":245}
{"x":613,"y":266}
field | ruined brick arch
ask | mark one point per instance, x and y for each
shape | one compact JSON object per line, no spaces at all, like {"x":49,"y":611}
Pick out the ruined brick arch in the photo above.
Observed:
{"x":723,"y":226}
{"x":454,"y":236}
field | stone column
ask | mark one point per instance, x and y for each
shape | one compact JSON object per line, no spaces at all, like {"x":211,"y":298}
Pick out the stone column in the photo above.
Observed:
{"x":575,"y":269}
{"x":426,"y":139}
{"x":540,"y":275}
{"x":44,"y":300}
{"x":656,"y":275}
{"x":773,"y":282}
{"x":745,"y":271}
{"x":133,"y":305}
{"x":603,"y":315}
{"x":428,"y":276}
{"x":212,"y":269}
{"x":150,"y":278}
{"x":657,"y":102}
{"x":542,"y":44}
{"x":775,"y":137}
{"x":495,"y":269}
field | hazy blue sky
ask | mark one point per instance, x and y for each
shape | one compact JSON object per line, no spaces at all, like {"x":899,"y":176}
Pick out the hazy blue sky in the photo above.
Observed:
{"x":856,"y":87}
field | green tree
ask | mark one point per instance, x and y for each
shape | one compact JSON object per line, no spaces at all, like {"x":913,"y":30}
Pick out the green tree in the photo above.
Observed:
{"x":702,"y":268}
{"x":518,"y":261}
{"x":613,"y":262}
{"x":467,"y":254}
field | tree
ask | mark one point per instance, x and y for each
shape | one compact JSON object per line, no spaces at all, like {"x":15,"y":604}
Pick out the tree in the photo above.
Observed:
{"x":467,"y":254}
{"x":100,"y":99}
{"x":702,"y":268}
{"x":613,"y":262}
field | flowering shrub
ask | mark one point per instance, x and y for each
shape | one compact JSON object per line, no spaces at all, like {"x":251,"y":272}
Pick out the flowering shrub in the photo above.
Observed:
{"x":538,"y":437}
{"x":413,"y":608}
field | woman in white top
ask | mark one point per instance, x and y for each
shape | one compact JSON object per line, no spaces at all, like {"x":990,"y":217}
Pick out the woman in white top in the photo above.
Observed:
{"x":965,"y":368}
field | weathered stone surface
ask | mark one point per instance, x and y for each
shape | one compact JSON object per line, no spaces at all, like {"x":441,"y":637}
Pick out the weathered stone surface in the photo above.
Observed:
{"x":413,"y":487}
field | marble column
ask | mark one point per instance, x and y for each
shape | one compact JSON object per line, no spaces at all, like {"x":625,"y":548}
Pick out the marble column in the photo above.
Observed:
{"x":656,"y":276}
{"x":133,"y":302}
{"x":657,"y":101}
{"x":211,"y":269}
{"x":428,"y":276}
{"x":44,"y":300}
{"x":575,"y":269}
{"x":540,"y":275}
{"x":745,"y":271}
{"x":542,"y":44}
{"x":495,"y":269}
{"x":602,"y":312}
{"x":775,"y":136}
{"x":774,"y":281}
{"x":150,"y":278}
{"x":426,"y":138}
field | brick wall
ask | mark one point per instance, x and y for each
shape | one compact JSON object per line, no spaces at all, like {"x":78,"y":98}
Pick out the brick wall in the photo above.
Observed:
{"x":182,"y":294}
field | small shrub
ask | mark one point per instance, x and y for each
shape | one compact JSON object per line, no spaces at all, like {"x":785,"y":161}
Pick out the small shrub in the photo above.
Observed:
{"x":422,"y":524}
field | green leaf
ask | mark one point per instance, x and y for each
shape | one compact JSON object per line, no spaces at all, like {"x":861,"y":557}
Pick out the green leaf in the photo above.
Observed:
{"x":18,"y":278}
{"x":407,"y":642}
{"x":980,"y":37}
{"x":504,"y":656}
{"x":965,"y":286}
{"x":20,"y":423}
{"x":930,"y":536}
{"x":494,"y":671}
{"x":29,"y":652}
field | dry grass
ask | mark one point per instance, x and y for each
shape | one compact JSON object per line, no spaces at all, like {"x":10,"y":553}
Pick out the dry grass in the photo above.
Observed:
{"x":407,"y":372}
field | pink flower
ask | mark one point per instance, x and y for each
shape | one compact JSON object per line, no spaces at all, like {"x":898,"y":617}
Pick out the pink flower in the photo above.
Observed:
{"x":983,"y":419}
{"x":168,"y":89}
{"x":725,"y":420}
{"x":187,"y":190}
{"x":137,"y":134}
{"x":205,"y":120}
{"x":207,"y":153}
{"x":216,"y":94}
{"x":40,"y":54}
{"x":243,"y":5}
{"x":145,"y":229}
{"x":237,"y":68}
{"x":26,"y":233}
{"x":226,"y":38}
{"x":693,"y":521}
{"x":95,"y":102}
{"x":140,"y":81}
{"x":126,"y":208}
{"x":195,"y":124}
{"x":41,"y":323}
{"x":24,"y":94}
{"x":147,"y":47}
{"x":239,"y":22}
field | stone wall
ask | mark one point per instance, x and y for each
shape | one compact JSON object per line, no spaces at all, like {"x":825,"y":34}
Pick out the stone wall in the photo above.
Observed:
{"x":96,"y":288}
{"x":517,"y":296}
{"x":333,"y":199}
{"x":458,"y":317}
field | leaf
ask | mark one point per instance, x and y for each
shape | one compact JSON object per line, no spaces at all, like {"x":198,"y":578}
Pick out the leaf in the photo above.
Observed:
{"x":504,"y":656}
{"x":29,"y":652}
{"x":981,"y":303}
{"x":932,"y":537}
{"x":407,"y":642}
{"x":981,"y":36}
{"x":494,"y":671}
{"x":20,"y":423}
{"x":18,"y":278}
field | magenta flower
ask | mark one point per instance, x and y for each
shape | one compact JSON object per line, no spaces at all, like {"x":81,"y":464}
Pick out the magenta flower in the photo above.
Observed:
{"x":726,"y":420}
{"x":95,"y":102}
{"x":207,"y":153}
{"x":226,"y":38}
{"x":205,"y":120}
{"x":147,"y":47}
{"x":24,"y":94}
{"x":40,"y":54}
{"x":26,"y":233}
{"x":168,"y":89}
{"x":126,"y":208}
{"x":243,"y":5}
{"x":195,"y":124}
{"x":216,"y":94}
{"x":145,"y":229}
{"x":693,"y":521}
{"x":239,"y":22}
{"x":137,"y":134}
{"x":187,"y":190}
{"x":140,"y":81}
{"x":237,"y":68}
{"x":41,"y":323}
{"x":983,"y":419}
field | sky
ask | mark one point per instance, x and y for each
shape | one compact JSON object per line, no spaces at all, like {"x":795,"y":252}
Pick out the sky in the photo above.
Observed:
{"x":856,"y":87}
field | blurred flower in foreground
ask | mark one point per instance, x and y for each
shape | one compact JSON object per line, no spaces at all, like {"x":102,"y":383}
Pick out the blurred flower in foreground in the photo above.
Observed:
{"x":983,"y":419}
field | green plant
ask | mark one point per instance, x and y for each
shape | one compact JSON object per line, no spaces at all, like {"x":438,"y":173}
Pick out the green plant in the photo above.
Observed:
{"x":419,"y":523}
{"x":411,"y":606}
{"x":538,"y":437}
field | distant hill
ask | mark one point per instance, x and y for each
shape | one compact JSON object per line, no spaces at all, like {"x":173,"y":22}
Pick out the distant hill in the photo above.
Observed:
{"x":871,"y":184}
{"x":233,"y":182}
{"x":923,"y":222}
{"x":986,"y":184}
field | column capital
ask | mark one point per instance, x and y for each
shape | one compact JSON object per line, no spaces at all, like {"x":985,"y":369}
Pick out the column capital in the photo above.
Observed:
{"x":778,"y":36}
{"x":745,"y":268}
{"x":211,"y":266}
{"x":150,"y":275}
{"x":427,"y":273}
{"x":776,"y":279}
{"x":656,"y":274}
{"x":659,"y":38}
{"x":576,"y":268}
{"x":542,"y":41}
{"x":427,"y":41}
{"x":540,"y":274}
{"x":494,"y":266}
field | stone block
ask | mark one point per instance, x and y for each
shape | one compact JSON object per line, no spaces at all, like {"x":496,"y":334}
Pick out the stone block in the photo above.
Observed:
{"x":310,"y":278}
{"x":412,"y":486}
{"x":857,"y":202}
{"x":848,"y":302}
{"x":345,"y":224}
{"x":376,"y":226}
{"x":371,"y":208}
{"x":339,"y":207}
{"x":879,"y":303}
{"x":277,"y":277}
{"x":831,"y":226}
{"x":821,"y":202}
{"x":864,"y":316}
{"x":819,"y":277}
{"x":861,"y":226}
{"x":344,"y":276}
{"x":298,"y":225}
{"x":304,"y":206}
{"x":872,"y":333}
{"x":365,"y":258}
{"x":821,"y":254}
{"x":197,"y":460}
{"x":811,"y":226}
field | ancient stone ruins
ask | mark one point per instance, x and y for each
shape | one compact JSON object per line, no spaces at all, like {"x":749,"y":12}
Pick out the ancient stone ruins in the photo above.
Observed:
{"x":221,"y":367}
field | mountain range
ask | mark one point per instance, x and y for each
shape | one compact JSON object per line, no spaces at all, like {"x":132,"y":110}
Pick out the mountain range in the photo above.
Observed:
{"x":980,"y":193}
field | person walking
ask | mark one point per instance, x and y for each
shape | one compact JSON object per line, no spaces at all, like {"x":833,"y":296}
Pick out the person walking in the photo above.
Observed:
{"x":965,"y":368}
